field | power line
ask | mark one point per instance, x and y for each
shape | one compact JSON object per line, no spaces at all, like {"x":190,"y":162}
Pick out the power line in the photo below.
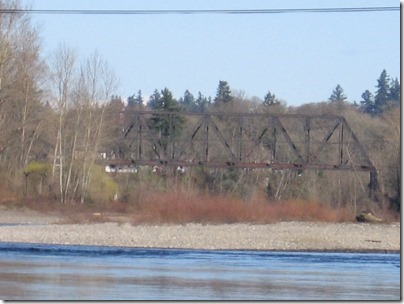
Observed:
{"x":199,"y":11}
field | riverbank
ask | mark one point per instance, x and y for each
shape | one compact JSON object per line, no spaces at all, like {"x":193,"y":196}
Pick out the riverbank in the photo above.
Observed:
{"x":32,"y":227}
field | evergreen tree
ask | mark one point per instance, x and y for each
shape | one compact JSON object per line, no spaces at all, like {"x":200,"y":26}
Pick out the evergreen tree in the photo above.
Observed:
{"x":382,"y":94}
{"x":131,"y":101}
{"x":164,"y":101}
{"x":395,"y":92}
{"x":167,"y":126}
{"x":269,"y":99}
{"x":368,"y":103}
{"x":202,"y":103}
{"x":154,"y":100}
{"x":223,"y":95}
{"x":188,"y":102}
{"x":337,"y":94}
{"x":139,"y":98}
{"x":387,"y":95}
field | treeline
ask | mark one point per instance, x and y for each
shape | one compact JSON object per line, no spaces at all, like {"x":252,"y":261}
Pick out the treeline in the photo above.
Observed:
{"x":387,"y":96}
{"x":58,"y":115}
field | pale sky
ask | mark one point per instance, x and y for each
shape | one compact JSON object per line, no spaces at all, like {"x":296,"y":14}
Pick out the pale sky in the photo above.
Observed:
{"x":299,"y":57}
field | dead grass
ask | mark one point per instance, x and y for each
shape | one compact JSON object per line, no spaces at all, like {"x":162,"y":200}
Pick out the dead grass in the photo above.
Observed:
{"x":180,"y":207}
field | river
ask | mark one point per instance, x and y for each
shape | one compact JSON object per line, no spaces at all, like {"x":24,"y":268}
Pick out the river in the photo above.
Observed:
{"x":59,"y":272}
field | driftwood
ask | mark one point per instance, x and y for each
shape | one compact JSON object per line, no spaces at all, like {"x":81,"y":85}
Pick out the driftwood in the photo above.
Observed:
{"x":367,"y":217}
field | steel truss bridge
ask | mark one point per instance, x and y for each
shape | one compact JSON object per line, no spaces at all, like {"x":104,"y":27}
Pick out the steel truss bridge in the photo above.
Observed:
{"x":242,"y":140}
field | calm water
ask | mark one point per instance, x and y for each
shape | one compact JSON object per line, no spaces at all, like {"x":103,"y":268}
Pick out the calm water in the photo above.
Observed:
{"x":43,"y":272}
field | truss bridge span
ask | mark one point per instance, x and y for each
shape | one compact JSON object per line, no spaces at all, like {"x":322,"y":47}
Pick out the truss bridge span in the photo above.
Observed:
{"x":241,"y":140}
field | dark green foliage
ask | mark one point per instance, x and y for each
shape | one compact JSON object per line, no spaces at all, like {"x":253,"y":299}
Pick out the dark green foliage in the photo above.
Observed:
{"x":188,"y":102}
{"x":135,"y":100}
{"x":387,"y":96}
{"x":117,"y":122}
{"x":395,"y":92}
{"x":154,"y":100}
{"x":202,"y":103}
{"x":166,"y":125}
{"x":223,"y":95}
{"x":337,"y":94}
{"x":269,"y":99}
{"x":164,"y":101}
{"x":382,"y":94}
{"x":368,"y":104}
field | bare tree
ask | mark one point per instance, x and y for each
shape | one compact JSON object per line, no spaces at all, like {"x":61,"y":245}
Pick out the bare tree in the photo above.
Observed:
{"x":99,"y":81}
{"x":21,"y":74}
{"x":63,"y":72}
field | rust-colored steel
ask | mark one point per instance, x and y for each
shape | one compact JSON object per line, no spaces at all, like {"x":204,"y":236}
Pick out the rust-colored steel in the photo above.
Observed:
{"x":243,"y":140}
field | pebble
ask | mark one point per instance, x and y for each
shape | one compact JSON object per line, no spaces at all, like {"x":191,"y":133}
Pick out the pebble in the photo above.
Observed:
{"x":277,"y":236}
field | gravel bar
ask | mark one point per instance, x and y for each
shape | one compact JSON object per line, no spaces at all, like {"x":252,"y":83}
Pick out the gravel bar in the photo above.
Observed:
{"x":32,"y":227}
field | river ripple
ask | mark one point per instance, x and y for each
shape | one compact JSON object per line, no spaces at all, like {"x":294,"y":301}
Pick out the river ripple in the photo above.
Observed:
{"x":59,"y":272}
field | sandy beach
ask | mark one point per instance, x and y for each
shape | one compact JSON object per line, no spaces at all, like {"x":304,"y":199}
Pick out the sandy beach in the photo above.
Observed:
{"x":33,"y":227}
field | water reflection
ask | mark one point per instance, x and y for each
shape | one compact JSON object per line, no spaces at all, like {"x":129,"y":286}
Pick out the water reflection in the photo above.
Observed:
{"x":71,"y":273}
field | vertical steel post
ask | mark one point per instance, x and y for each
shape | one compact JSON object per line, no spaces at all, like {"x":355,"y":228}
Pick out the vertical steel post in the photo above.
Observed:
{"x":171,"y":145}
{"x":373,"y":186}
{"x":240,"y":138}
{"x":139,"y":148}
{"x":274,"y":139}
{"x":207,"y":138}
{"x":341,"y":144}
{"x":307,"y":138}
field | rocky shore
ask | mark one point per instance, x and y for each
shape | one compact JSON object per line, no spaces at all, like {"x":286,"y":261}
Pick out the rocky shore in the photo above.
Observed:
{"x":32,"y":227}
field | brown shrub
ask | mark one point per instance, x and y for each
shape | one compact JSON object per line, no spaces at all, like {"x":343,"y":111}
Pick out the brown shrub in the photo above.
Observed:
{"x":298,"y":210}
{"x":180,"y":207}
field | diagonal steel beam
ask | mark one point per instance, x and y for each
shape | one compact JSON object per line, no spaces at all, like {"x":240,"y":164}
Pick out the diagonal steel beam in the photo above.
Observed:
{"x":155,"y":141}
{"x":289,"y":141}
{"x":188,"y":140}
{"x":358,"y":144}
{"x":222,"y":138}
{"x":325,"y":140}
{"x":145,"y":138}
{"x":256,"y":142}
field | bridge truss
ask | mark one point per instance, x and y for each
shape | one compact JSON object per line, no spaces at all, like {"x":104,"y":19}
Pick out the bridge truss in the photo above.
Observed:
{"x":243,"y":140}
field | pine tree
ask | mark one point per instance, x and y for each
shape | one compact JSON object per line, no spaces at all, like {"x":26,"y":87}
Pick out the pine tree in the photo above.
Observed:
{"x":154,"y":100}
{"x":223,"y":95}
{"x":368,"y":103}
{"x":202,"y":103}
{"x":131,"y":101}
{"x":188,"y":102}
{"x":166,"y":102}
{"x":382,"y":94}
{"x":167,"y":126}
{"x":270,"y":99}
{"x":395,"y":92}
{"x":139,"y":98}
{"x":337,"y":94}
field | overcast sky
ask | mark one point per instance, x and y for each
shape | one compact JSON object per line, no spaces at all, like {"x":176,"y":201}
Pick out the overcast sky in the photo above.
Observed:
{"x":300,"y":57}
